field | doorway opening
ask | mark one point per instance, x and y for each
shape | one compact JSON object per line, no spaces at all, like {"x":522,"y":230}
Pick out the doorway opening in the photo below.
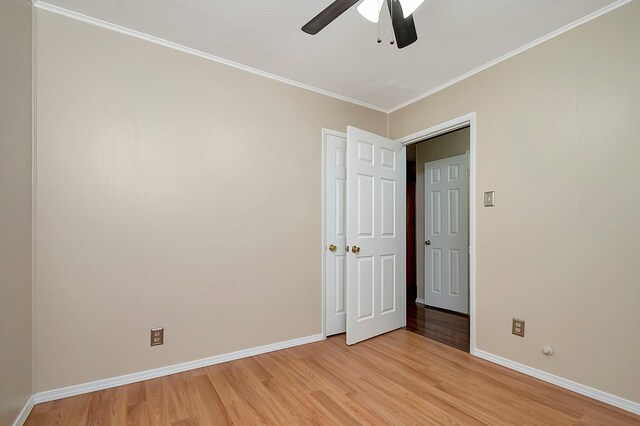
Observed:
{"x":437,"y":243}
{"x":355,"y":227}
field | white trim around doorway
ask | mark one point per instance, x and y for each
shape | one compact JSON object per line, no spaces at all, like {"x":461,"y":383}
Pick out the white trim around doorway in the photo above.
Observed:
{"x":432,"y":132}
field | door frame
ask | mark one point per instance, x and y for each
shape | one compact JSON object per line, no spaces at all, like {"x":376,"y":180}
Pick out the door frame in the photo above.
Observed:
{"x":325,"y":132}
{"x":437,"y":130}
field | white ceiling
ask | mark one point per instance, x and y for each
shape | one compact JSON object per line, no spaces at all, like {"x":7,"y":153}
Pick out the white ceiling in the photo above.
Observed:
{"x":454,"y":37}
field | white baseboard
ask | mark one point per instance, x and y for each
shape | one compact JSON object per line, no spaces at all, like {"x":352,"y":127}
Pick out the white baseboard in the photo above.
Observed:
{"x":52,"y":395}
{"x":421,"y":301}
{"x":171,"y":369}
{"x":607,"y":398}
{"x":22,"y":417}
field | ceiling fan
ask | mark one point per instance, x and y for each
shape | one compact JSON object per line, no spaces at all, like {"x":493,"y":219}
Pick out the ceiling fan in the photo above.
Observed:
{"x":400,"y":10}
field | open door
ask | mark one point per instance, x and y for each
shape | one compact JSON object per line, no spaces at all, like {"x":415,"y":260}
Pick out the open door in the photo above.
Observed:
{"x":376,"y":288}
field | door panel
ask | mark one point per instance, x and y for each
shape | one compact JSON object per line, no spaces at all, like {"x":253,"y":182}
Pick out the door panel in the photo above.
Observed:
{"x":434,"y":213}
{"x":365,"y":287}
{"x":436,"y":270}
{"x":364,"y":206}
{"x":335,"y":233}
{"x":388,"y":219}
{"x":375,"y":224}
{"x":339,"y":197}
{"x":446,"y":233}
{"x":388,"y":276}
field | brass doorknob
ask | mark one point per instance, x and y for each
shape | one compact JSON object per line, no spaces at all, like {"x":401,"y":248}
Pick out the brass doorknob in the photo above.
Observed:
{"x":355,"y":249}
{"x":332,"y":247}
{"x":428,"y":242}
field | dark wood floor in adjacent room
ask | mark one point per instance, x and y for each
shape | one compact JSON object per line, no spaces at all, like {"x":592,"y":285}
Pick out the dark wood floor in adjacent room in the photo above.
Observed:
{"x":398,"y":378}
{"x":450,"y":328}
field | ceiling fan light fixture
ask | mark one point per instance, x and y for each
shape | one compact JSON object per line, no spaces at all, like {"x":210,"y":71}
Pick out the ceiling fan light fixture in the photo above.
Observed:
{"x":404,"y":29}
{"x":409,"y":6}
{"x":370,"y":9}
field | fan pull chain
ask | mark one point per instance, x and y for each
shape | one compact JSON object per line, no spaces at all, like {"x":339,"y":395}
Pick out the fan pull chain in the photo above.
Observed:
{"x":379,"y":38}
{"x":391,"y":14}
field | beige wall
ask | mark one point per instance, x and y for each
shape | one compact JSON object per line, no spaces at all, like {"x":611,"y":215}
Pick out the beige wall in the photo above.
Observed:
{"x":178,"y":192}
{"x":172,"y":191}
{"x":15,"y":208}
{"x":557,"y":139}
{"x":445,"y":146}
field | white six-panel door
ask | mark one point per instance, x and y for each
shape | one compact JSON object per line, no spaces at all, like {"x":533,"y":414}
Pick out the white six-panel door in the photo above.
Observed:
{"x":335,"y":232}
{"x":447,"y":233}
{"x":376,"y":179}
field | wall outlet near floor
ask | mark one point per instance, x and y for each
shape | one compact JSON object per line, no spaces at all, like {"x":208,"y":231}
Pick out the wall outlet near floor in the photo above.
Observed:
{"x":157,"y":336}
{"x":517,"y":327}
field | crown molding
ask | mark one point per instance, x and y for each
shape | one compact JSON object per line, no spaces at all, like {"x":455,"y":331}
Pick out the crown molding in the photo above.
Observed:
{"x":123,"y":30}
{"x":513,"y":53}
{"x":157,"y":40}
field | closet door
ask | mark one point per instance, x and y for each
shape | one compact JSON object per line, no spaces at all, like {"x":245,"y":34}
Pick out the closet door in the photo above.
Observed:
{"x":335,"y":231}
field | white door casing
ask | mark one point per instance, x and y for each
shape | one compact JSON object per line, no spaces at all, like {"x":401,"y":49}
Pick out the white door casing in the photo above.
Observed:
{"x":376,"y":180}
{"x":447,"y":233}
{"x":335,"y":235}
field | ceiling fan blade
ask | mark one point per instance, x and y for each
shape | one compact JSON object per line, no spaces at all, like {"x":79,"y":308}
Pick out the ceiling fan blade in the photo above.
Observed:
{"x":403,"y":28}
{"x":327,"y":16}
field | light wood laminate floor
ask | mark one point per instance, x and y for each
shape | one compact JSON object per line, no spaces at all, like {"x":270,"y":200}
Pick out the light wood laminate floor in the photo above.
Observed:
{"x":397,"y":378}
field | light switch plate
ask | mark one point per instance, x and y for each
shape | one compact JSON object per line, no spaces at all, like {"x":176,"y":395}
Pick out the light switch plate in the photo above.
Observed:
{"x":490,"y":199}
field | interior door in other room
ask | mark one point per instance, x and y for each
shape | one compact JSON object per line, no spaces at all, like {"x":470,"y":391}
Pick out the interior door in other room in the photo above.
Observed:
{"x":376,"y":179}
{"x":335,"y":236}
{"x":446,"y":184}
